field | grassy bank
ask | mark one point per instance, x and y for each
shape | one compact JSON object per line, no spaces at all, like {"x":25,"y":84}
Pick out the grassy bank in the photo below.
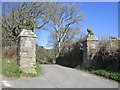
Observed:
{"x":110,"y":75}
{"x":0,"y":66}
{"x":10,"y":69}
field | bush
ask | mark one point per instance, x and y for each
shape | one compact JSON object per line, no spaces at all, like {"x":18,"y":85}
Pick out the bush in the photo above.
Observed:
{"x":108,"y":56}
{"x":72,"y":55}
{"x":9,"y":52}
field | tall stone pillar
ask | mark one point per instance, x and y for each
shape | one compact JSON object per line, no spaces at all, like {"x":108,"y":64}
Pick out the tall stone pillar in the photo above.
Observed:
{"x":26,"y":51}
{"x":90,"y":48}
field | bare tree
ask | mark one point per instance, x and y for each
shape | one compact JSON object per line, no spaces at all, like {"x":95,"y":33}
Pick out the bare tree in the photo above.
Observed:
{"x":65,"y":23}
{"x":15,"y":14}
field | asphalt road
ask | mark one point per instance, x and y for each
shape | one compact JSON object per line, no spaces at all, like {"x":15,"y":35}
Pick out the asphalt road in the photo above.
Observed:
{"x":55,"y":76}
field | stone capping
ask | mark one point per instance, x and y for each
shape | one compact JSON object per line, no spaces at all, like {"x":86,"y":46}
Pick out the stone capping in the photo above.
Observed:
{"x":90,"y":38}
{"x":27,"y":33}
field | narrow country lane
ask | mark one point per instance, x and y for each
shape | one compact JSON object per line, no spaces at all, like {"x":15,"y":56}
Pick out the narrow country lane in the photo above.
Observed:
{"x":55,"y":76}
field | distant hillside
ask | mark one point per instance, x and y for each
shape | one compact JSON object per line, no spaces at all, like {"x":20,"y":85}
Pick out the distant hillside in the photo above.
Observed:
{"x":45,"y":55}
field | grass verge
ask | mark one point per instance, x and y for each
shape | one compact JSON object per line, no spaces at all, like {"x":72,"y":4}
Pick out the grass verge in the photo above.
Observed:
{"x":0,"y":66}
{"x":10,"y":69}
{"x":110,"y":75}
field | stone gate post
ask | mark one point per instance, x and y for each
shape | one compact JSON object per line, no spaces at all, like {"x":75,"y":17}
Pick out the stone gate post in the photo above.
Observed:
{"x":26,"y":51}
{"x":90,"y":46}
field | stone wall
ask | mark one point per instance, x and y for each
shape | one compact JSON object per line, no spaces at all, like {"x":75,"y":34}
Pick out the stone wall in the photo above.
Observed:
{"x":26,"y":51}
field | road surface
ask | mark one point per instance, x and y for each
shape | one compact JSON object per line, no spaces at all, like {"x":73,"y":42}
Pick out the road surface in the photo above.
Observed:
{"x":55,"y":76}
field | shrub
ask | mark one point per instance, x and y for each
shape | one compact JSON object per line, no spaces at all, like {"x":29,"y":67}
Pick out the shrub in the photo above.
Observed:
{"x":71,"y":55}
{"x":9,"y":52}
{"x":108,"y":56}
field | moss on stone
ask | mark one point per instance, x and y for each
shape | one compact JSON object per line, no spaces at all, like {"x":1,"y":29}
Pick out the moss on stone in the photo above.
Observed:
{"x":28,"y":24}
